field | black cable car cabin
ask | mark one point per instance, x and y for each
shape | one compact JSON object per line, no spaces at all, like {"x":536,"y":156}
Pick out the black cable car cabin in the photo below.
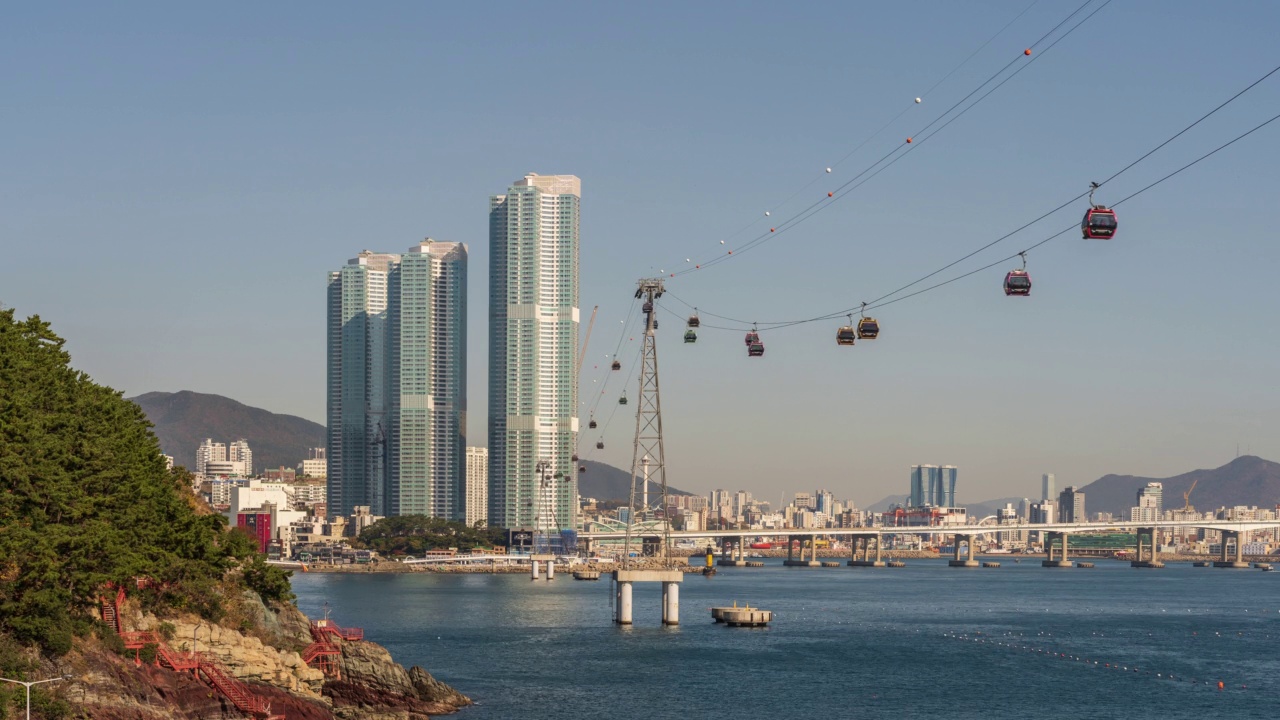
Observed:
{"x":622,"y":400}
{"x":690,"y":336}
{"x":846,"y":335}
{"x":599,"y":444}
{"x":868,"y":328}
{"x":755,"y":349}
{"x":617,"y":365}
{"x":1017,"y":282}
{"x":647,"y":307}
{"x":593,"y":424}
{"x":1099,"y":223}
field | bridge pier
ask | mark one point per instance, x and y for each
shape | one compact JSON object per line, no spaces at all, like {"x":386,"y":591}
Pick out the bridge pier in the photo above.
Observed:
{"x":533,"y":564}
{"x":734,"y":555}
{"x":1226,"y":562}
{"x":813,"y":545}
{"x":866,"y":560}
{"x":670,"y":580}
{"x":1147,"y":559}
{"x":956,"y":560}
{"x":1063,"y":562}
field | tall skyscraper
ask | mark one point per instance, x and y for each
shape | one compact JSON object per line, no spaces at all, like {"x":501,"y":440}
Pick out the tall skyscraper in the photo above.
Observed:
{"x":1046,"y":487}
{"x":1071,"y":506}
{"x":1150,"y":505}
{"x":397,"y":379}
{"x":927,"y":487}
{"x":533,"y":342}
{"x":477,"y":485}
{"x":947,"y":484}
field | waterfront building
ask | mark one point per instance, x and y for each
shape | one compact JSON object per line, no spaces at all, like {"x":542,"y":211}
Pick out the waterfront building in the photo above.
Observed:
{"x":533,"y":343}
{"x":947,"y":485}
{"x":1071,"y":506}
{"x":933,"y":485}
{"x":396,"y":396}
{"x":1046,"y":487}
{"x":477,"y":485}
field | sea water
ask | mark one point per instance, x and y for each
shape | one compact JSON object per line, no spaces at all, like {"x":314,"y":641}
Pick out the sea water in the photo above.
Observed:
{"x":1019,"y":641}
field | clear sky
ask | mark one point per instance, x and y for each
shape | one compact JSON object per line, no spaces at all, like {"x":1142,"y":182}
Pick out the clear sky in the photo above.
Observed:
{"x":179,"y":178}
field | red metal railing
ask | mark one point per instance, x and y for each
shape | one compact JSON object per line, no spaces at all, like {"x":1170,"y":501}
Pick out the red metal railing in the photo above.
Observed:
{"x":237,"y":692}
{"x":333,"y":628}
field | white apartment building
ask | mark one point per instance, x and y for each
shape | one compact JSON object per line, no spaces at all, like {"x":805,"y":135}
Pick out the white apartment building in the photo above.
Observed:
{"x":209,"y":451}
{"x":477,"y":485}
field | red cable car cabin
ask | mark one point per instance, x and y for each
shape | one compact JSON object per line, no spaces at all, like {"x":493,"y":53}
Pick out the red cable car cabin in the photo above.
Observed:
{"x":1099,"y":223}
{"x":753,"y":338}
{"x":1017,"y":282}
{"x":755,"y":349}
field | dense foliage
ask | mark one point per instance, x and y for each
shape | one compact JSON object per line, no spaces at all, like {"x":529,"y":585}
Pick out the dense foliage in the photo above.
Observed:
{"x":415,"y":534}
{"x":85,"y":500}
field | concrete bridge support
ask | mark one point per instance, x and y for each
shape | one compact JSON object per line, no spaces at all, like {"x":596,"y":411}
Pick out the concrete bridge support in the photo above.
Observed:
{"x":1146,"y":551}
{"x":624,"y":604}
{"x":733,"y":554}
{"x":865,"y":560}
{"x":957,"y":560}
{"x":670,"y":603}
{"x":1050,"y":538}
{"x":1227,"y":561}
{"x":670,"y":580}
{"x":813,"y":552}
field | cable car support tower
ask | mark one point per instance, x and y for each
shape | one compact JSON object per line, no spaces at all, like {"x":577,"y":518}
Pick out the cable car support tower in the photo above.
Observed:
{"x":647,"y":456}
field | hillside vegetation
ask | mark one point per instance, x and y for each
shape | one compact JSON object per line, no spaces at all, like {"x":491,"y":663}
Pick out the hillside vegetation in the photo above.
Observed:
{"x":86,"y":501}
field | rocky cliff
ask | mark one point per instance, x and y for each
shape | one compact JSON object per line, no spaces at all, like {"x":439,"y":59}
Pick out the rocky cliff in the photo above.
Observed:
{"x":265,"y":654}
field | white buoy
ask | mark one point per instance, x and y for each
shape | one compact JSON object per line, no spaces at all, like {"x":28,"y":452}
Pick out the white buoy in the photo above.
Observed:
{"x":721,"y":242}
{"x":828,"y":169}
{"x":766,"y":213}
{"x":917,"y":101}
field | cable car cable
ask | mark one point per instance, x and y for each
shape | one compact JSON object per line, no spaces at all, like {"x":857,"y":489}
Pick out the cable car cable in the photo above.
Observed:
{"x":878,"y":301}
{"x":844,"y":189}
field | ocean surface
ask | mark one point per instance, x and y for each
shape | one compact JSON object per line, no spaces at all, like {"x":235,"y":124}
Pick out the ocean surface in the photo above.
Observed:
{"x":915,"y":642}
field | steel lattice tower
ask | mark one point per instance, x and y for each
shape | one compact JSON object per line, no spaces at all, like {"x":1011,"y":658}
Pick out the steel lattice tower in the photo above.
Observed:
{"x":648,"y":439}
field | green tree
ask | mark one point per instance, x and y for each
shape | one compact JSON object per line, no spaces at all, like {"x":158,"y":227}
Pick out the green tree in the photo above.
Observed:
{"x":86,"y":500}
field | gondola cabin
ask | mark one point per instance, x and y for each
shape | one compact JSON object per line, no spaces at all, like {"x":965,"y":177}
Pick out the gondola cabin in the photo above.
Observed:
{"x":868,"y":328}
{"x":1099,"y":223}
{"x":755,"y":349}
{"x":690,"y":336}
{"x":593,"y":424}
{"x":1017,"y":282}
{"x":600,"y":445}
{"x":622,"y":400}
{"x":694,"y":321}
{"x":846,"y":335}
{"x":753,"y":338}
{"x":647,"y":307}
{"x":617,"y":365}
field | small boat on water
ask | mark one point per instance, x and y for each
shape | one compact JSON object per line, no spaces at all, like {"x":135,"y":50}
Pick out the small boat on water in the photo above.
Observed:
{"x":761,"y":546}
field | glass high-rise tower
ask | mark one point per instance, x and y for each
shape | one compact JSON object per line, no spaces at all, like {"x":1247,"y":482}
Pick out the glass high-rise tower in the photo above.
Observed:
{"x":533,"y":342}
{"x":397,"y":382}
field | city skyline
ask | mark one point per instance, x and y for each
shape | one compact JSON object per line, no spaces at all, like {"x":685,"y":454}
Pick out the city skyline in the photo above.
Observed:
{"x":233,"y":153}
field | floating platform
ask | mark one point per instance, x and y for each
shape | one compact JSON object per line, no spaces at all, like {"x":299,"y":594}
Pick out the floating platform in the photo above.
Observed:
{"x":586,"y":574}
{"x":802,"y":563}
{"x":865,"y":563}
{"x":1084,"y":565}
{"x":1231,"y":564}
{"x":1055,"y":563}
{"x":747,"y":617}
{"x":895,"y":563}
{"x":1262,"y":566}
{"x":1200,"y":563}
{"x":830,"y":564}
{"x":731,"y":563}
{"x":962,"y":563}
{"x":754,"y":563}
{"x":989,"y":564}
{"x":1155,"y":564}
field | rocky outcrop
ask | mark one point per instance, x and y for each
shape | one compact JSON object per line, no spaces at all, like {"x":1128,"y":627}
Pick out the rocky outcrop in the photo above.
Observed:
{"x":376,"y":687}
{"x":373,"y":685}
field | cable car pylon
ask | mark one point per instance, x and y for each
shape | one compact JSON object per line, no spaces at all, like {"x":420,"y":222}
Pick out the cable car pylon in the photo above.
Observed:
{"x":648,"y":438}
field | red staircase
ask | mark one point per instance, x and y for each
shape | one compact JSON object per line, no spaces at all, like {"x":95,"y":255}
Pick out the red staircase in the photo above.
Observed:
{"x":240,"y":694}
{"x":322,"y":654}
{"x":237,"y":692}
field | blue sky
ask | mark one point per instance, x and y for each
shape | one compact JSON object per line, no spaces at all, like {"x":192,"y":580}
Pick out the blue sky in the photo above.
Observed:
{"x":178,"y":180}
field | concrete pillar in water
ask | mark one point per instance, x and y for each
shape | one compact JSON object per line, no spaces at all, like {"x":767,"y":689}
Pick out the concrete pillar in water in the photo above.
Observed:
{"x":1226,"y":535}
{"x":1065,"y":557}
{"x":670,"y":603}
{"x":534,"y":565}
{"x":878,"y":537}
{"x":1048,"y":545}
{"x":956,"y":550}
{"x":1239,"y":549}
{"x":970,"y":543}
{"x":624,"y":603}
{"x":551,"y":569}
{"x":791,"y":554}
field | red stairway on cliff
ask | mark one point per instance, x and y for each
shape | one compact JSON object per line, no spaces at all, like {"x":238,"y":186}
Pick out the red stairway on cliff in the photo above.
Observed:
{"x":205,"y":667}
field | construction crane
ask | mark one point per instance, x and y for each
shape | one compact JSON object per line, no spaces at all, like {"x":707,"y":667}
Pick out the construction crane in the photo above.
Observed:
{"x":1186,"y":497}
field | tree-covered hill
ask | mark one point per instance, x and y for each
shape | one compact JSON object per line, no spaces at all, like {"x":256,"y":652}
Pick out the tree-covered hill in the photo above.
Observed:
{"x":86,"y":501}
{"x":416,"y":534}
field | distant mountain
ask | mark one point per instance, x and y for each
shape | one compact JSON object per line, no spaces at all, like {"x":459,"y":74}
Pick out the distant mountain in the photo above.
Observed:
{"x":1247,"y":480}
{"x":606,"y":482}
{"x":887,"y":503}
{"x":183,"y":419}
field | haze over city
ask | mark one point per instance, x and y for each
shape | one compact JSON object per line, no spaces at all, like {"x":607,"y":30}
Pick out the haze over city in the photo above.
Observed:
{"x":180,"y":180}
